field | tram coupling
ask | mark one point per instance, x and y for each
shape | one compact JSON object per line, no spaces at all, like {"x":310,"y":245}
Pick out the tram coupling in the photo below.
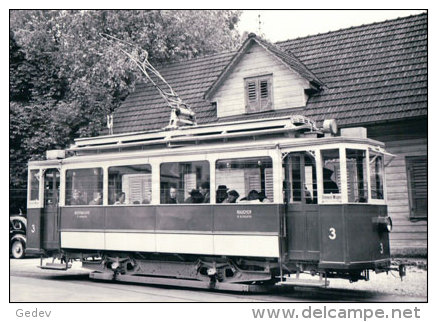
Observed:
{"x":399,"y":267}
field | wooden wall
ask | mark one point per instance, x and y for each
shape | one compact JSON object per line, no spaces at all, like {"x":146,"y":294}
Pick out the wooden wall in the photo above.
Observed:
{"x":409,"y":237}
{"x":288,"y":86}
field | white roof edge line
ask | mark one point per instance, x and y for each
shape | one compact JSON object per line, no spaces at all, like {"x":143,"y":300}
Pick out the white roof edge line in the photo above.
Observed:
{"x":178,"y":131}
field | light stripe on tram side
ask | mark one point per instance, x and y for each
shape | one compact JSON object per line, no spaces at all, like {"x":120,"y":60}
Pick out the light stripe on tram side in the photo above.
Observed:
{"x":207,"y":244}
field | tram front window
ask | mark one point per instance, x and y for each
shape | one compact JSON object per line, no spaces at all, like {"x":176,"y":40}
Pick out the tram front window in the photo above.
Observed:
{"x":130,"y":184}
{"x":82,"y":186}
{"x":356,"y":175}
{"x":331,"y":175}
{"x":244,"y":180}
{"x":185,"y":182}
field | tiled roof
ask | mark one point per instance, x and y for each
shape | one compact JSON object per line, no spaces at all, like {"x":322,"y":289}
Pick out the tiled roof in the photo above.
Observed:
{"x":371,"y":73}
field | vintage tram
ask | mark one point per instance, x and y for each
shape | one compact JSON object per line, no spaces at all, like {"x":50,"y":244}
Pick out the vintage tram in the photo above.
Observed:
{"x":151,"y":207}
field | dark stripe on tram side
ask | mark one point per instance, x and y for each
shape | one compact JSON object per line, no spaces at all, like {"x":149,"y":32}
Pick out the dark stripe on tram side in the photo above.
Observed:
{"x":221,"y":219}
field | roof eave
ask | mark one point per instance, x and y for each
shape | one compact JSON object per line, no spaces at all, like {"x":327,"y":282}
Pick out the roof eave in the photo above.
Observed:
{"x":227,"y":69}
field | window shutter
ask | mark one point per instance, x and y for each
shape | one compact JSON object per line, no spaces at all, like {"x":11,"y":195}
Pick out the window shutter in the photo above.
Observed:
{"x":268,"y":175}
{"x":417,"y":169}
{"x":138,"y":187}
{"x":265,"y":94}
{"x":251,"y":90}
{"x":258,"y":91}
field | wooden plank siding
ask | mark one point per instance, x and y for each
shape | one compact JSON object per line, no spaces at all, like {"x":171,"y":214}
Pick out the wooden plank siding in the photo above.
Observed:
{"x":409,"y":236}
{"x":288,"y":86}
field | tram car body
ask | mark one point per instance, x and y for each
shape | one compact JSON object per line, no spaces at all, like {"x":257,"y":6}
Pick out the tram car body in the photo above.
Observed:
{"x":125,"y":205}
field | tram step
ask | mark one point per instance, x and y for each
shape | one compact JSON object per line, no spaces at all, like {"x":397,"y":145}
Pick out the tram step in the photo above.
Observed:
{"x":181,"y":282}
{"x":55,"y":266}
{"x":304,"y":282}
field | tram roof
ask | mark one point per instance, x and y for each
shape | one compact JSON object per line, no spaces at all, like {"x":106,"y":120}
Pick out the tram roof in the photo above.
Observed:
{"x":284,"y":143}
{"x":290,"y":132}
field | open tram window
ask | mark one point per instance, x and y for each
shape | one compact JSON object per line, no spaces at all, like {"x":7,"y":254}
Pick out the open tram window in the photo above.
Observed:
{"x":83,"y":186}
{"x":376,"y":175}
{"x":356,"y":171}
{"x":300,"y":178}
{"x":130,"y":184}
{"x":185,"y":182}
{"x":244,"y":180}
{"x":331,"y":175}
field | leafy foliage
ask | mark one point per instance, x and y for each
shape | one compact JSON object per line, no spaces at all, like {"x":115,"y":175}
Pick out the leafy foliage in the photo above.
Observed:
{"x":65,"y":78}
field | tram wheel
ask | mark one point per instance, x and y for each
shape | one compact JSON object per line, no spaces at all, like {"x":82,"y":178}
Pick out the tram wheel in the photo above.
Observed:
{"x":17,"y":249}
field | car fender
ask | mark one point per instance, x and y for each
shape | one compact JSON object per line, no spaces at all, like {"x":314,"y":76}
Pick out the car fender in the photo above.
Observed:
{"x":19,"y":237}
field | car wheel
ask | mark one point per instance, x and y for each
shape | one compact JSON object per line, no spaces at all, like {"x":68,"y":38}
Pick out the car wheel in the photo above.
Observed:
{"x":17,"y":249}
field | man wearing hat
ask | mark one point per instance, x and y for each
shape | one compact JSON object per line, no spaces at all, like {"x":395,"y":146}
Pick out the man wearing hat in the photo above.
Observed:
{"x":221,"y":193}
{"x":195,"y":197}
{"x":204,"y":190}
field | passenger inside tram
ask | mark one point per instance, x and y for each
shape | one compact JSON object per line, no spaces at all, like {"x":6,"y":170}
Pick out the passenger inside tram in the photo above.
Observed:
{"x":204,"y":190}
{"x":172,"y":196}
{"x":77,"y":198}
{"x":121,"y":197}
{"x":221,"y":193}
{"x":329,"y":185}
{"x":232,"y":197}
{"x":252,"y":197}
{"x":98,"y":199}
{"x":263,"y":197}
{"x":195,"y":197}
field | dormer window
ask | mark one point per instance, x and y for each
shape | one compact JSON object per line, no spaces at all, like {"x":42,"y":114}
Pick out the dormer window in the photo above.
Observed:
{"x":258,"y":92}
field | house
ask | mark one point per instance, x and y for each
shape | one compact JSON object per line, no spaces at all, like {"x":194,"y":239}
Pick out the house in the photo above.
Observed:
{"x":372,"y":76}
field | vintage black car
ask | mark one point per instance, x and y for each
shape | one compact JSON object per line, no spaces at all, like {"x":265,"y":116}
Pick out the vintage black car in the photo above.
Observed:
{"x":17,"y":235}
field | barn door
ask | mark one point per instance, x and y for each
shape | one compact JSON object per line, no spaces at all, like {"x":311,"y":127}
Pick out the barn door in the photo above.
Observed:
{"x":49,"y":222}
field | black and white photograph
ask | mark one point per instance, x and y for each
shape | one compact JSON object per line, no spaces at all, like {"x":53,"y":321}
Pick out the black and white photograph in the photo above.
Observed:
{"x":219,"y":156}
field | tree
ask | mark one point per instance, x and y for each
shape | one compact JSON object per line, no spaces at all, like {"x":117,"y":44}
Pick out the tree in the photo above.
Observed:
{"x":65,"y":78}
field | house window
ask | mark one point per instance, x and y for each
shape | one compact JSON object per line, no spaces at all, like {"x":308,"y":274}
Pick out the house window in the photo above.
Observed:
{"x":417,"y":171}
{"x":258,"y":91}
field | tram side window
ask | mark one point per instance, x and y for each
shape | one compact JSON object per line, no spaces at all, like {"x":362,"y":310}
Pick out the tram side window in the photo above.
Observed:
{"x":244,"y":180}
{"x":331,"y":175}
{"x":83,"y":186}
{"x":130,"y":184}
{"x":34,"y":185}
{"x":185,"y":182}
{"x":356,"y":175}
{"x":376,"y":176}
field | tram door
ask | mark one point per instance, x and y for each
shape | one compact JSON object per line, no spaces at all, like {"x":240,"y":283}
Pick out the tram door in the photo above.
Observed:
{"x":49,"y":222}
{"x":301,"y":198}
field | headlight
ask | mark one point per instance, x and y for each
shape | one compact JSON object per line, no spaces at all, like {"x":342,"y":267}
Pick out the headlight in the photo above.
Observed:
{"x":389,"y":224}
{"x":384,"y":224}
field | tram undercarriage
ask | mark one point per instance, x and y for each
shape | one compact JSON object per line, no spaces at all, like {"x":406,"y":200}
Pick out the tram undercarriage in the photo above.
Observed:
{"x":206,"y":272}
